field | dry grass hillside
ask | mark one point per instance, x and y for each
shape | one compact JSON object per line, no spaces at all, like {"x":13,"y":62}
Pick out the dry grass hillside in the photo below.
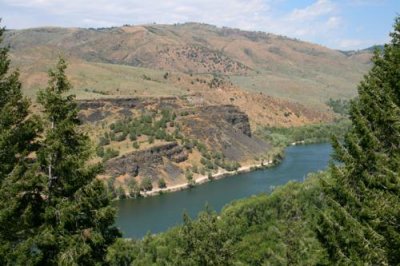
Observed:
{"x":133,"y":60}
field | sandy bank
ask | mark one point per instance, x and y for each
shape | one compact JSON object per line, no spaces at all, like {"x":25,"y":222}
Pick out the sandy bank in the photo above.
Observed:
{"x":204,"y":178}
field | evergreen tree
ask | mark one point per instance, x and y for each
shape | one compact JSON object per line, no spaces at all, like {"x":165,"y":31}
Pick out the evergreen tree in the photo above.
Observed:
{"x":362,"y":225}
{"x":58,"y":212}
{"x":17,"y":130}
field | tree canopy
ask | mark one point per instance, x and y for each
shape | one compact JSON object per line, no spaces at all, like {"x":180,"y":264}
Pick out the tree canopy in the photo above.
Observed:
{"x":363,"y":224}
{"x":53,"y":210}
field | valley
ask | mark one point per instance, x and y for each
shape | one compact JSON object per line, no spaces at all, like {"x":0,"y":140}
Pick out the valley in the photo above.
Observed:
{"x":166,"y":105}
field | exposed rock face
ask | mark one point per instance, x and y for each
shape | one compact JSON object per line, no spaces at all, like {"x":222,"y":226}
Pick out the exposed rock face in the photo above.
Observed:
{"x":147,"y":162}
{"x":224,"y":128}
{"x":119,"y":102}
{"x":97,"y":110}
{"x":129,"y":103}
{"x":231,"y":114}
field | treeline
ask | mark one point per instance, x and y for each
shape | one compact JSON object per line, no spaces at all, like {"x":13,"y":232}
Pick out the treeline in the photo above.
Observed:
{"x":339,"y":106}
{"x":281,"y":137}
{"x":276,"y":229}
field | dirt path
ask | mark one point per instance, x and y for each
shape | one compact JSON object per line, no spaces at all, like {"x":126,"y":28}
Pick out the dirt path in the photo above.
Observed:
{"x":204,"y":178}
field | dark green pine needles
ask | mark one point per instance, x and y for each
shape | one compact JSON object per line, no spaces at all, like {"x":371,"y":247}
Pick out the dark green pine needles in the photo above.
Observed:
{"x":53,"y":210}
{"x":363,"y":223}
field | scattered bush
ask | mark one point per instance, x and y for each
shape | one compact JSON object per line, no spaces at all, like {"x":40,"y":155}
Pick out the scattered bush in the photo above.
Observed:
{"x":162,"y":183}
{"x":110,"y":153}
{"x":100,"y":151}
{"x":146,"y":184}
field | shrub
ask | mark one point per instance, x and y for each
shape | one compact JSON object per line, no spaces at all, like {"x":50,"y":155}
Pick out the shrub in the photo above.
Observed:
{"x":136,"y":145}
{"x":189,"y":175}
{"x":146,"y":184}
{"x":151,"y":139}
{"x":103,"y":141}
{"x":161,"y":183}
{"x":110,"y":153}
{"x":100,"y":151}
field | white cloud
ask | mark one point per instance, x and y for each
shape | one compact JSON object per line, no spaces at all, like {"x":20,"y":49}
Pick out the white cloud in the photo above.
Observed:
{"x":312,"y":22}
{"x":334,"y":22}
{"x":366,"y":2}
{"x":350,"y":44}
{"x":313,"y":11}
{"x":219,"y":12}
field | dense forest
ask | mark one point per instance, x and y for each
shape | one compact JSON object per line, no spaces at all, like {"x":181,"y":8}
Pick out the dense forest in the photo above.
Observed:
{"x":53,"y":210}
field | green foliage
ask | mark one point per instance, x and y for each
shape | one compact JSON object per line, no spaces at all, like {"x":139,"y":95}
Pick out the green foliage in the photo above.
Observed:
{"x":339,"y":106}
{"x":204,"y":242}
{"x":60,"y":213}
{"x":18,"y":130}
{"x":136,"y":145}
{"x":103,"y":141}
{"x":146,"y":184}
{"x":120,"y":193}
{"x":133,"y":187}
{"x":216,"y":82}
{"x":161,"y":183}
{"x":100,"y":151}
{"x":151,"y":139}
{"x":121,"y":137}
{"x":109,"y":153}
{"x":277,"y":229}
{"x":189,"y":175}
{"x":154,"y":126}
{"x":281,"y":137}
{"x":121,"y":253}
{"x":364,"y":195}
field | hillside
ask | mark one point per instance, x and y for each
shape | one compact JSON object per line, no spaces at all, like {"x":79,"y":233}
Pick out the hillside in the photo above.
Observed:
{"x":115,"y":60}
{"x":170,"y":103}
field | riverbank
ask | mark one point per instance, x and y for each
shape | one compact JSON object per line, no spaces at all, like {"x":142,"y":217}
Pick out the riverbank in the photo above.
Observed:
{"x":201,"y":179}
{"x":205,"y":178}
{"x":137,"y":217}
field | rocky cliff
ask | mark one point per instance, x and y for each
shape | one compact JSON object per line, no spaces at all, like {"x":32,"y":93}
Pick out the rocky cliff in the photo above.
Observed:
{"x":229,"y":113}
{"x":149,"y":162}
{"x":226,"y":129}
{"x":197,"y":138}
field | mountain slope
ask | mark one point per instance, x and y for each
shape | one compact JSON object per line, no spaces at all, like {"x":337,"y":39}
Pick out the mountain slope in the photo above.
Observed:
{"x":253,"y":61}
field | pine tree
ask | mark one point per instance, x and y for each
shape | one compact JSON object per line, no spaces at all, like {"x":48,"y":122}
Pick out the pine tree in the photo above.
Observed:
{"x":59,"y":212}
{"x":17,"y":130}
{"x":362,"y":224}
{"x":18,"y":133}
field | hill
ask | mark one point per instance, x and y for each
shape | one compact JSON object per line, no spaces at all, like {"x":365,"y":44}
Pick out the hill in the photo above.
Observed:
{"x":115,"y":60}
{"x":175,"y":101}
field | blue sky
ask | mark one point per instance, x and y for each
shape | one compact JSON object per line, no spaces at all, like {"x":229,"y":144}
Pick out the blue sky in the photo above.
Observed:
{"x":338,"y":24}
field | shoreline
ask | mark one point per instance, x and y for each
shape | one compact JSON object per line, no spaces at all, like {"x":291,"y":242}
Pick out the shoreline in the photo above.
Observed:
{"x":204,"y":179}
{"x":219,"y":175}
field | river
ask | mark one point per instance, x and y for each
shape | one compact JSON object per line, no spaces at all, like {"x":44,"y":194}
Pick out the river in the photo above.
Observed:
{"x":155,"y":214}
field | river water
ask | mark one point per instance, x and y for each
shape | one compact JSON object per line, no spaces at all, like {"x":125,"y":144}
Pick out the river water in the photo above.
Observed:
{"x":155,"y":214}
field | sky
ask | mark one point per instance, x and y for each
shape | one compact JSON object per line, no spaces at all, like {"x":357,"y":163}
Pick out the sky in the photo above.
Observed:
{"x":337,"y":24}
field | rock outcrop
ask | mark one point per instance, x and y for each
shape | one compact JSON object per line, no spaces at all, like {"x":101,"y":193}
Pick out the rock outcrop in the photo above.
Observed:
{"x":224,"y":128}
{"x":229,"y":113}
{"x":147,"y":162}
{"x":99,"y":109}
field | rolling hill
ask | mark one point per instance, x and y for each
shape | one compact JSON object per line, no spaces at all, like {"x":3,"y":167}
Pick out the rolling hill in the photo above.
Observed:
{"x":132,"y":60}
{"x":176,"y":101}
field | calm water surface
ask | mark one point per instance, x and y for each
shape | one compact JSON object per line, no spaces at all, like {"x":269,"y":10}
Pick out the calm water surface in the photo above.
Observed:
{"x":136,"y":217}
